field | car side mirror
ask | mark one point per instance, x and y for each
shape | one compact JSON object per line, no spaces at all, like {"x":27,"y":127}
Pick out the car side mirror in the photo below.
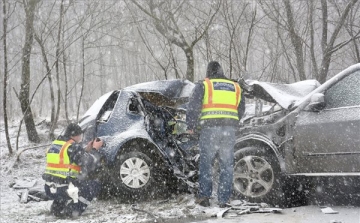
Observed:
{"x":317,"y":102}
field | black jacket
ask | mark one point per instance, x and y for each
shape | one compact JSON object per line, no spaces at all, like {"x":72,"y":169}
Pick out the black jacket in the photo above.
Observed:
{"x":194,"y":107}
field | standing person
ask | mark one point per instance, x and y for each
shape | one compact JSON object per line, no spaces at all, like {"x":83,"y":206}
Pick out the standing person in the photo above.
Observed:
{"x":217,"y":105}
{"x":66,"y":176}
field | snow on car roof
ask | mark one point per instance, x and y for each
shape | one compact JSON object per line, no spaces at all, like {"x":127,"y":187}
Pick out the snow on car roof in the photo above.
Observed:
{"x":169,"y":88}
{"x":164,"y":92}
{"x":283,"y":94}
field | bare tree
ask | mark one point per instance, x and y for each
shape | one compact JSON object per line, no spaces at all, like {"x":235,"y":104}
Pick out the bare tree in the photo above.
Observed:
{"x":5,"y":16}
{"x":240,"y":26}
{"x":165,"y":66}
{"x":296,"y":40}
{"x":288,"y":27}
{"x":57,"y":56}
{"x":82,"y":77}
{"x":312,"y":38}
{"x":329,"y":46}
{"x":302,"y":33}
{"x":353,"y":29}
{"x":42,"y":38}
{"x":94,"y":18}
{"x":41,"y":43}
{"x":167,"y":16}
{"x":29,"y":7}
{"x":66,"y":105}
{"x":97,"y":46}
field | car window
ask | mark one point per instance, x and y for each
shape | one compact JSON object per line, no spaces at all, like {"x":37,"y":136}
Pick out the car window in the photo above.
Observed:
{"x":108,"y":108}
{"x":344,"y":93}
{"x":133,"y":106}
{"x":98,"y":104}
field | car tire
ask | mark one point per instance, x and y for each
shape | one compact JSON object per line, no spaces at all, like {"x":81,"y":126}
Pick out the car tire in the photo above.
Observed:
{"x":257,"y":176}
{"x":137,"y":178}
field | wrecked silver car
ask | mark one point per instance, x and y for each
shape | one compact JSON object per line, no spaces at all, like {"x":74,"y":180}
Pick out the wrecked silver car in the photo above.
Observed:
{"x":147,"y":148}
{"x":297,"y":131}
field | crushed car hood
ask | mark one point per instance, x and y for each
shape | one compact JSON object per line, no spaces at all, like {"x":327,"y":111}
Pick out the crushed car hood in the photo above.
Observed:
{"x":283,"y":94}
{"x":161,"y":93}
{"x":164,"y":92}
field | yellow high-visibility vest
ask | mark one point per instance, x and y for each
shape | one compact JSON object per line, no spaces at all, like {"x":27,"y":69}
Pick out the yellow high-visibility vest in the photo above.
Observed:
{"x":58,"y":161}
{"x":221,"y":99}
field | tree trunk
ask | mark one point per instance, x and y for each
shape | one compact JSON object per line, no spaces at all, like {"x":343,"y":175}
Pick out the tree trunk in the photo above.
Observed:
{"x":357,"y":51}
{"x":82,"y":78}
{"x":5,"y":79}
{"x":249,"y":38}
{"x":312,"y":41}
{"x":296,"y":41}
{"x":190,"y":64}
{"x":66,"y":103}
{"x":54,"y":122}
{"x":48,"y":75}
{"x":25,"y":73}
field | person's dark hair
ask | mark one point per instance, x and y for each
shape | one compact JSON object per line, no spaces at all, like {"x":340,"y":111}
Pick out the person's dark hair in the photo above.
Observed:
{"x":73,"y":129}
{"x":214,"y":70}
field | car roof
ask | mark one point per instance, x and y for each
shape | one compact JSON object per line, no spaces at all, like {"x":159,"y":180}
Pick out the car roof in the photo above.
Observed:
{"x":164,"y":92}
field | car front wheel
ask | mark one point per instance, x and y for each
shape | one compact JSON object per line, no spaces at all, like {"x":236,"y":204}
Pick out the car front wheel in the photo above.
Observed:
{"x":257,"y":176}
{"x":136,"y":177}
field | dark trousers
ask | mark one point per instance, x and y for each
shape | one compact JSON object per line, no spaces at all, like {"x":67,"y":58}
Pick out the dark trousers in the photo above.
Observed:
{"x":218,"y":140}
{"x":64,"y":206}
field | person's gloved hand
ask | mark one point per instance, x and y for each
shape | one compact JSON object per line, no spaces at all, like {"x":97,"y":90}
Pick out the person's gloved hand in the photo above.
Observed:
{"x":89,"y":146}
{"x":97,"y":143}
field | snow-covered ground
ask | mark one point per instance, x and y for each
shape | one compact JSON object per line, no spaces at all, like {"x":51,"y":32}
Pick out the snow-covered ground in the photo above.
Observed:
{"x":178,"y":208}
{"x":31,"y":166}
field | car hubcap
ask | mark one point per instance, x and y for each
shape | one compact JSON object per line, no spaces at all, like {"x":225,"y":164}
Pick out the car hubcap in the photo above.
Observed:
{"x":253,"y":176}
{"x":135,"y":172}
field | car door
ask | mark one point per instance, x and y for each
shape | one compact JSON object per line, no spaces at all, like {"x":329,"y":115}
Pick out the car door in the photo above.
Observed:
{"x":328,"y":141}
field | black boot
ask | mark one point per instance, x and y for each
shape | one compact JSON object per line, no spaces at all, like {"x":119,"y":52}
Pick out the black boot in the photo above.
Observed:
{"x":203,"y":201}
{"x":74,"y":210}
{"x":57,"y":208}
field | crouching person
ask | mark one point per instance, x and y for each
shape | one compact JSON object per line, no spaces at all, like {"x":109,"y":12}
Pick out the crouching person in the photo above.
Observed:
{"x":67,"y":171}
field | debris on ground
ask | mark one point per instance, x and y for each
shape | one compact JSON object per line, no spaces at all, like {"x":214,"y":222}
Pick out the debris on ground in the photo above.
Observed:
{"x":25,"y":183}
{"x":32,"y":190}
{"x":28,"y":190}
{"x":221,"y":213}
{"x":237,"y":208}
{"x":328,"y":210}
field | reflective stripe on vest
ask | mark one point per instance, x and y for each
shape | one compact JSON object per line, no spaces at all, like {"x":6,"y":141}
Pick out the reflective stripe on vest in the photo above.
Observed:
{"x":221,"y":99}
{"x":67,"y":174}
{"x":58,"y":163}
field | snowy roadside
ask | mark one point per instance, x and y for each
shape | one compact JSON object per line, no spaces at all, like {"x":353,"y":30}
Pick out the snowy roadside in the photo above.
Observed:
{"x":31,"y":166}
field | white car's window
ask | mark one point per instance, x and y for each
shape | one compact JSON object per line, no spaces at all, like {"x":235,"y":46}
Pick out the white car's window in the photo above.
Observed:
{"x":344,"y":93}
